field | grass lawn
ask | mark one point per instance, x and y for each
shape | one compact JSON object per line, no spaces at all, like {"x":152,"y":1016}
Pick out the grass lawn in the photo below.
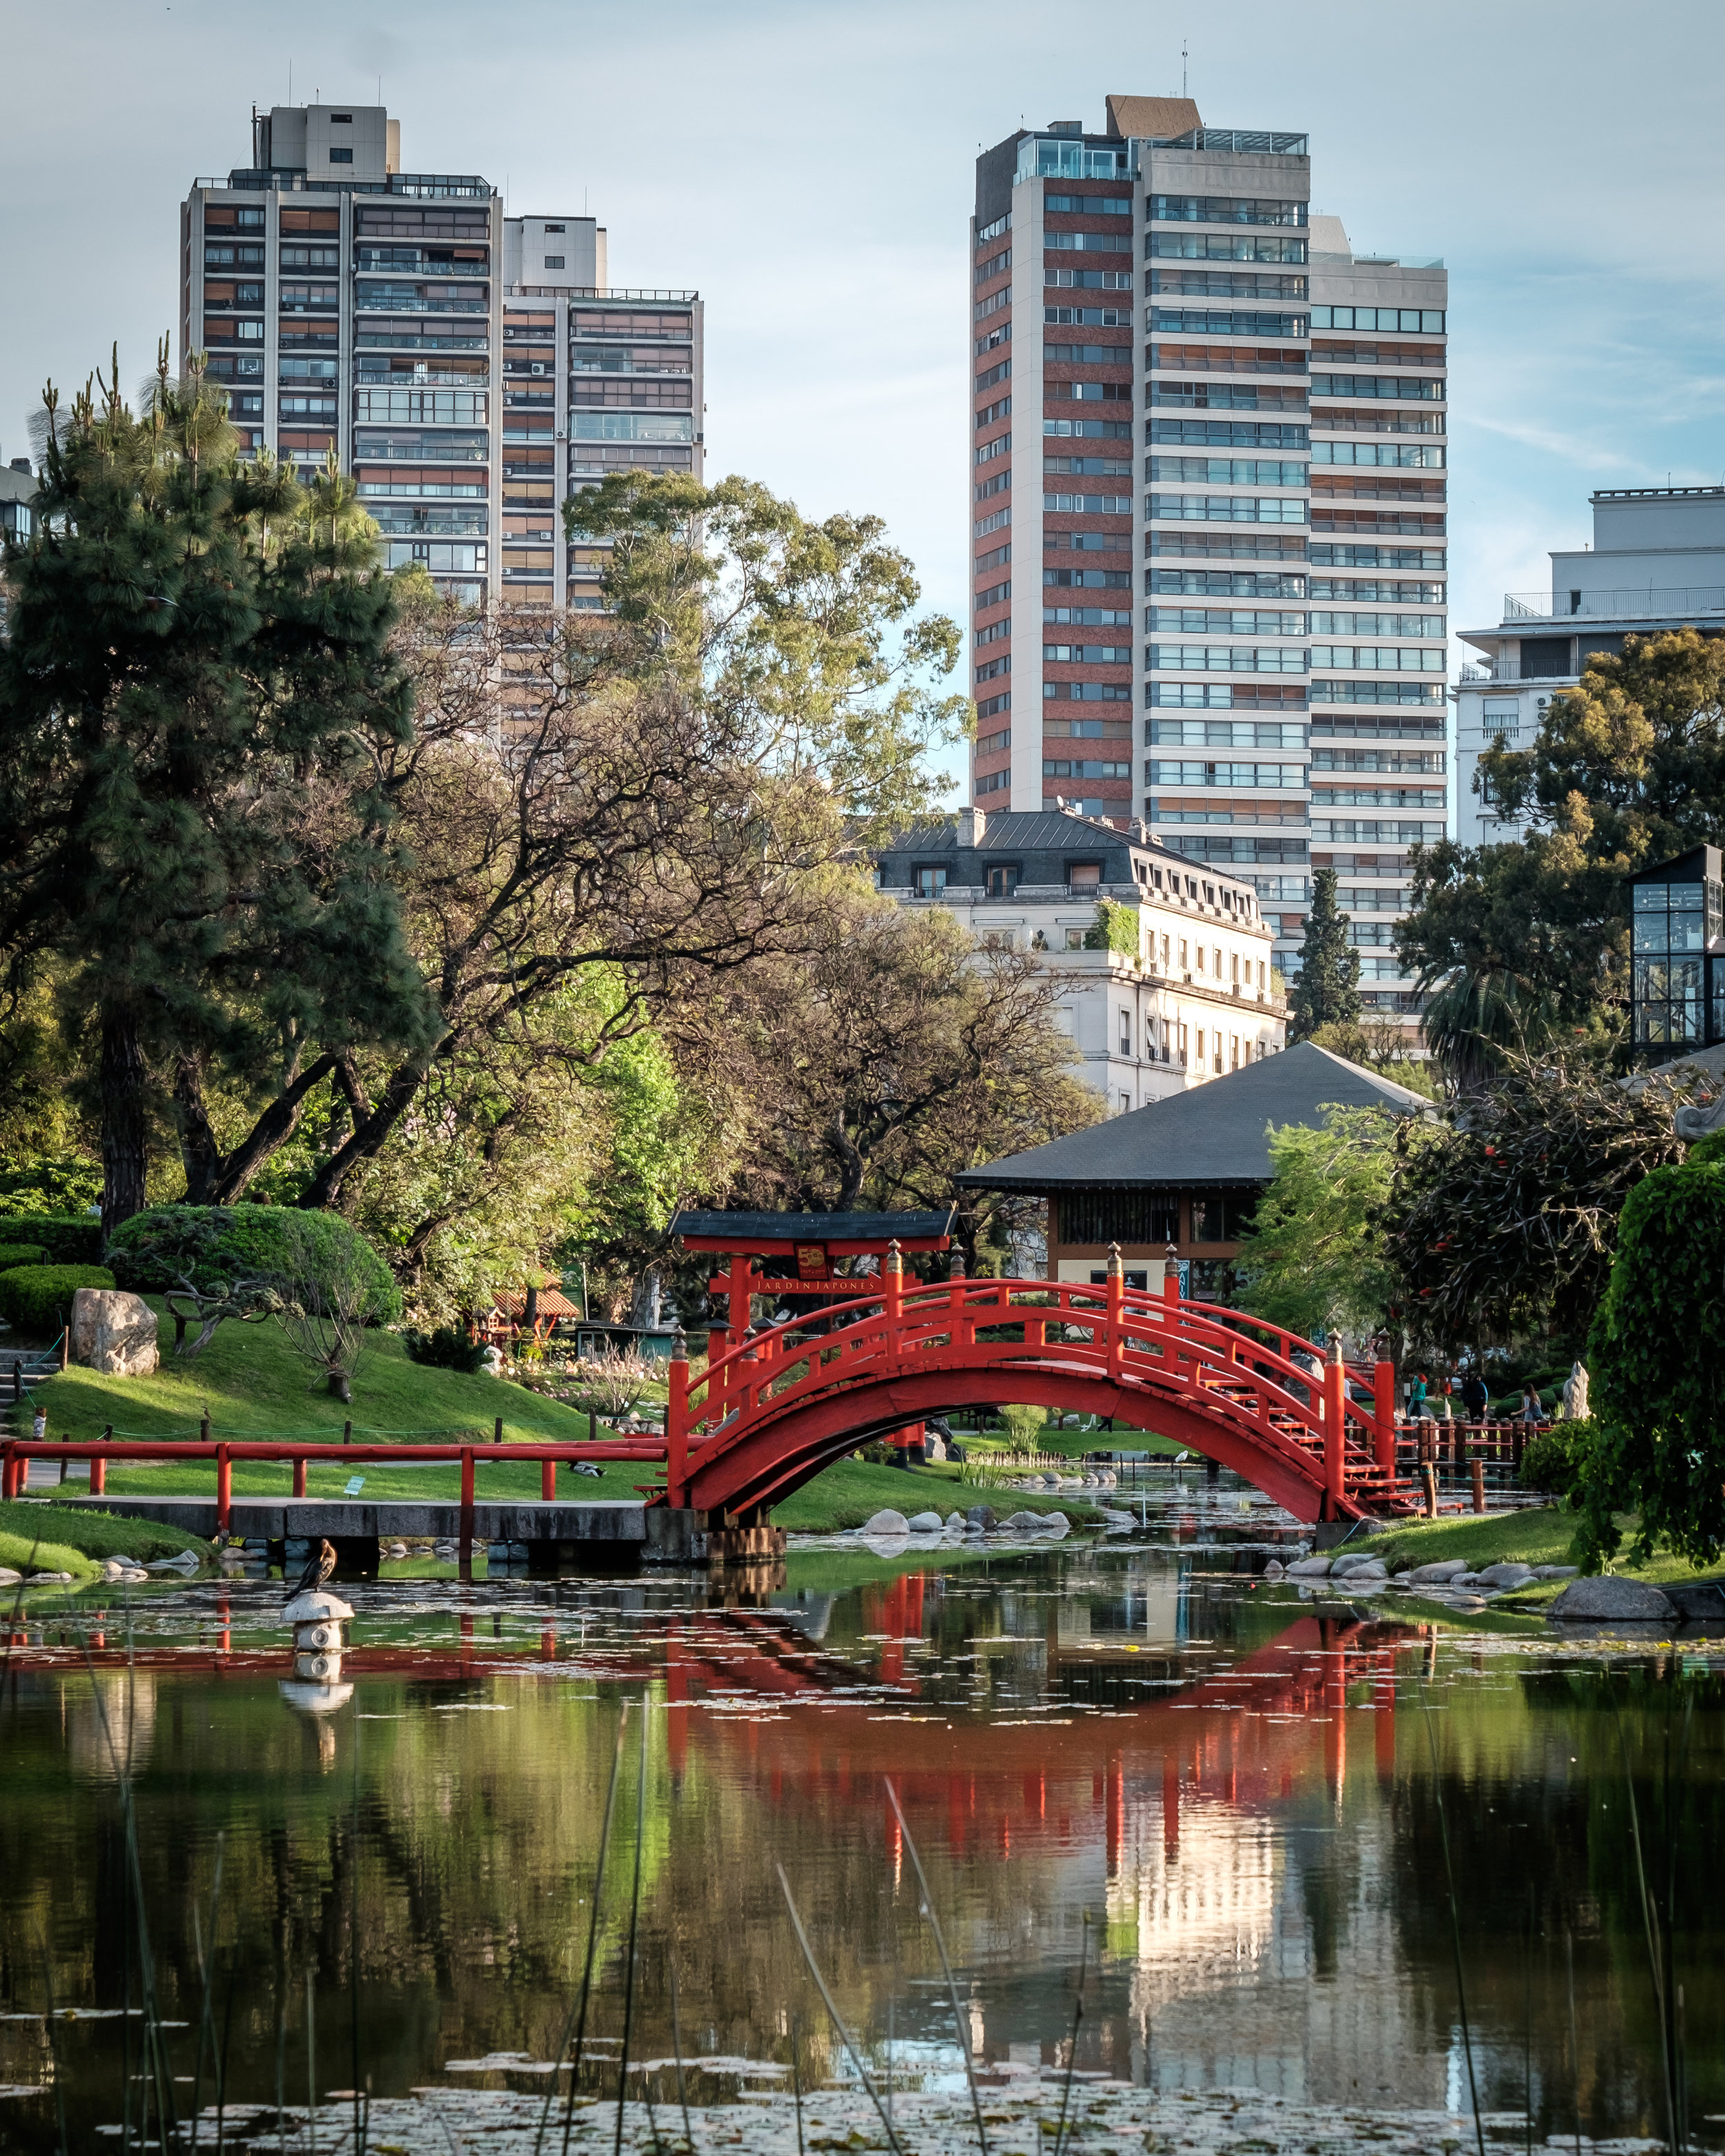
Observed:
{"x":77,"y":1540}
{"x":253,"y":1385}
{"x":1540,"y":1535}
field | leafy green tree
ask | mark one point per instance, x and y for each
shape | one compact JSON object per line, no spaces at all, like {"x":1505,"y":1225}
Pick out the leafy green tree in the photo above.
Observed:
{"x":195,"y":683}
{"x":1327,"y":991}
{"x":1315,"y":1259}
{"x":1656,"y":1358}
{"x":1527,"y":943}
{"x":1503,"y":1219}
{"x":757,"y":699}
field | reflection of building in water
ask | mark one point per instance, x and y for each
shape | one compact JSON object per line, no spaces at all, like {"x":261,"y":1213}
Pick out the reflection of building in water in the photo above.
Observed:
{"x":1234,"y":1939}
{"x":110,"y":1722}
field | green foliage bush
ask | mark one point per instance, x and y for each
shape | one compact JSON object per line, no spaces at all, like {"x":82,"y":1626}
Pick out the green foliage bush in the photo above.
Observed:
{"x":448,"y":1347}
{"x":70,"y":1239}
{"x":1657,"y":1358}
{"x":218,"y":1248}
{"x":38,"y":1298}
{"x":1556,"y":1460}
{"x":21,"y":1254}
{"x":1024,"y":1425}
{"x":1115,"y":928}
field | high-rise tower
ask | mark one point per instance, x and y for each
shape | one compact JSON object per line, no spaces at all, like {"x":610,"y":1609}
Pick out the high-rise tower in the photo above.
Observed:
{"x":470,"y":370}
{"x":1208,"y":511}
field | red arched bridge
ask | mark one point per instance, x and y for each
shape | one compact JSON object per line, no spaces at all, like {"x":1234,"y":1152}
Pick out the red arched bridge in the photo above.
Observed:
{"x":776,"y":1404}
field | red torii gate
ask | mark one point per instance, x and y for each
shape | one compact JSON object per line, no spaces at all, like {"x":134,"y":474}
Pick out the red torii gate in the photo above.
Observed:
{"x":776,"y":1405}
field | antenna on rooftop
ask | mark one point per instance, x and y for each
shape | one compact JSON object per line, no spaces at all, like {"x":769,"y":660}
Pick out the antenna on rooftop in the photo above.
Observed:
{"x":1182,"y":67}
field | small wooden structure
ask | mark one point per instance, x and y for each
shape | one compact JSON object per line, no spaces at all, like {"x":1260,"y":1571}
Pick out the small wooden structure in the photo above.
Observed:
{"x":509,"y":1318}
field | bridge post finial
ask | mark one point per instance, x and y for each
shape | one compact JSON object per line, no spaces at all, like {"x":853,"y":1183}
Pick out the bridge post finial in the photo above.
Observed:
{"x":1116,"y":1264}
{"x":895,"y":1257}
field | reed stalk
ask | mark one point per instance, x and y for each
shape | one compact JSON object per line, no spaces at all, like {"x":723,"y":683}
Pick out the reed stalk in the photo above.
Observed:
{"x":940,"y":1944}
{"x":1437,"y":1783}
{"x":838,"y":2020}
{"x":576,"y":2023}
{"x":634,"y":1917}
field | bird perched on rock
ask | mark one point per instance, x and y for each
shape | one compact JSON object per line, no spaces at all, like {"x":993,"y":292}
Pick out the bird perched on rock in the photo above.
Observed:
{"x":319,"y":1566}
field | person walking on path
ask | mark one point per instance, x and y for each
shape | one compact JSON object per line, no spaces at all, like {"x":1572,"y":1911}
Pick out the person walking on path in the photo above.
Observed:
{"x":1532,"y":1411}
{"x":1474,"y":1396}
{"x":1419,"y":1398}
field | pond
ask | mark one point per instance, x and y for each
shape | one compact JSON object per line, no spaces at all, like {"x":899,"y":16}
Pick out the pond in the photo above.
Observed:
{"x":1221,"y":1808}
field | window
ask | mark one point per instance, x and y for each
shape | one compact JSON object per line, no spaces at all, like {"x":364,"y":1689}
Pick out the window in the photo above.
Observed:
{"x":1378,"y":692}
{"x":1427,"y":322}
{"x":1091,"y":355}
{"x":1226,"y":658}
{"x":1113,"y":580}
{"x":1090,"y":505}
{"x":554,"y":261}
{"x":1226,"y":508}
{"x":1214,"y":621}
{"x":995,"y":595}
{"x":1267,"y":777}
{"x":993,"y":266}
{"x":1089,"y":281}
{"x":929,"y":883}
{"x":1003,"y":881}
{"x":993,"y":782}
{"x":1203,"y":322}
{"x":1093,"y":430}
{"x":341,"y":120}
{"x":994,"y":230}
{"x":1062,"y":767}
{"x":1101,"y":318}
{"x":1087,"y":692}
{"x":1224,"y":209}
{"x":1088,"y":617}
{"x":993,"y":374}
{"x":1378,"y":385}
{"x":1224,"y":284}
{"x":1219,"y":247}
{"x":1085,"y":206}
{"x":1201,"y":954}
{"x":1379,"y":624}
{"x":1410,"y":456}
{"x":1226,"y":471}
{"x":1084,"y":875}
{"x":341,"y":157}
{"x":1126,"y":1032}
{"x":1381,"y":658}
{"x":1089,"y":654}
{"x":1225,"y":434}
{"x":1092,"y":392}
{"x":555,"y":227}
{"x":1223,"y":733}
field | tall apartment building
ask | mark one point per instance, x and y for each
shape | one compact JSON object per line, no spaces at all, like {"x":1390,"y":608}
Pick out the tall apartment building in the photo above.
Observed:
{"x":469,"y":369}
{"x":1280,"y":703}
{"x":1657,"y":562}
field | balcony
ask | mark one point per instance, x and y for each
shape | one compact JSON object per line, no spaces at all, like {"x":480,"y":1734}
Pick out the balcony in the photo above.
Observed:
{"x":1641,"y":603}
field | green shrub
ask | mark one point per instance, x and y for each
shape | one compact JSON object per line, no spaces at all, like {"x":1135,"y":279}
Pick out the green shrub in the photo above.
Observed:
{"x":70,"y":1239}
{"x":1555,"y":1460}
{"x":447,"y":1348}
{"x":1115,"y":928}
{"x":38,"y":1298}
{"x":213,"y":1262}
{"x":1023,"y":1426}
{"x":21,"y":1254}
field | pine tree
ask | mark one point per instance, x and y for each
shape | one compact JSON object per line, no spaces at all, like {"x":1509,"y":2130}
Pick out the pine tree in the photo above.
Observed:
{"x":1327,"y":991}
{"x":196,"y":679}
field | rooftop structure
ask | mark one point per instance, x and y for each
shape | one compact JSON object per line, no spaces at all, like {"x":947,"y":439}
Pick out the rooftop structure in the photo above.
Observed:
{"x":1176,"y":987}
{"x":1656,"y":562}
{"x":1186,"y":1170}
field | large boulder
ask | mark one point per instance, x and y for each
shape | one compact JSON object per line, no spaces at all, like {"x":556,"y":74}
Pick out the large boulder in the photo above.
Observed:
{"x":1609,"y":1600}
{"x":886,"y":1522}
{"x":1507,"y":1573}
{"x":925,"y":1523}
{"x":1433,"y":1575}
{"x":114,"y":1331}
{"x":1309,"y":1567}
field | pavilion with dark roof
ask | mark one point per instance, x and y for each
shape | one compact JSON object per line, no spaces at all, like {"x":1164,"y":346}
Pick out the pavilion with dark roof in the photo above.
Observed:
{"x":1187,"y":1170}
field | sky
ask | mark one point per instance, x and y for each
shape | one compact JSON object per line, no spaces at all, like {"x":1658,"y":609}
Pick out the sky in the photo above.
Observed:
{"x":809,"y":169}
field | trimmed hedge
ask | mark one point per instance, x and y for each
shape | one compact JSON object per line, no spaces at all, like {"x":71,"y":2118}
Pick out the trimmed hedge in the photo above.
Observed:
{"x":70,"y":1239}
{"x":38,"y":1298}
{"x":21,"y":1254}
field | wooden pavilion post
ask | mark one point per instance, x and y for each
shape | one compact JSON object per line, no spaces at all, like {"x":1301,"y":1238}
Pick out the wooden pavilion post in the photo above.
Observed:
{"x":1334,"y":1431}
{"x":676,"y":1425}
{"x":1116,"y":1310}
{"x":1384,"y":1415}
